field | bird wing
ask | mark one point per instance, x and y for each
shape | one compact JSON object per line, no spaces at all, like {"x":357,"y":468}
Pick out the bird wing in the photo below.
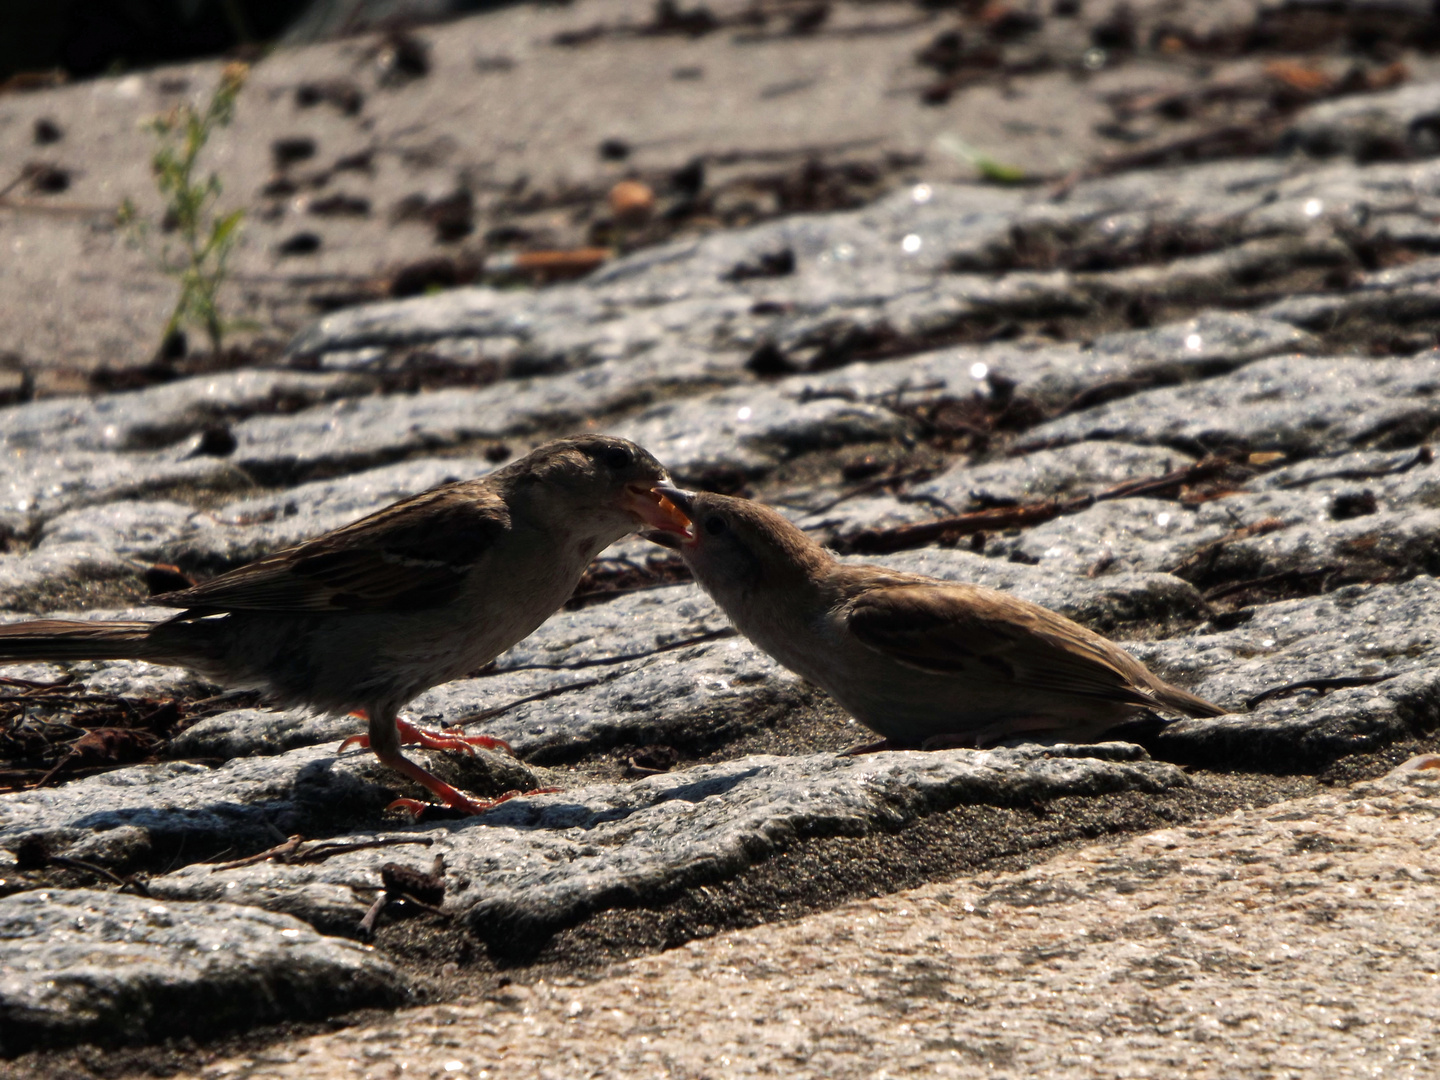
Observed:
{"x":409,"y":556}
{"x":952,"y":629}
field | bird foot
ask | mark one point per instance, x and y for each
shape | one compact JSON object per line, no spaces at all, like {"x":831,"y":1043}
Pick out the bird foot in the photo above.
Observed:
{"x":466,"y":805}
{"x":410,"y":735}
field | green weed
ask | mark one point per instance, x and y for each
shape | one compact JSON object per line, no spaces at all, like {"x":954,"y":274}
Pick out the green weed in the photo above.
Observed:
{"x":204,"y":238}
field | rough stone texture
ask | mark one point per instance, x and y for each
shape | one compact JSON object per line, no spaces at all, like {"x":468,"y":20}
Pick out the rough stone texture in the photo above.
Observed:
{"x":1290,"y":941}
{"x":25,"y":580}
{"x":147,"y":814}
{"x":1303,"y":406}
{"x":167,"y":414}
{"x":749,"y":431}
{"x":1383,"y":632}
{"x":948,"y":347}
{"x":36,"y":486}
{"x":260,"y":733}
{"x":1085,"y":468}
{"x":544,"y":862}
{"x":107,"y":968}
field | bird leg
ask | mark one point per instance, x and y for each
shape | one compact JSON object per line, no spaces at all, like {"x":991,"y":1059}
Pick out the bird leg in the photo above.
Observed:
{"x":410,"y":735}
{"x":385,"y":738}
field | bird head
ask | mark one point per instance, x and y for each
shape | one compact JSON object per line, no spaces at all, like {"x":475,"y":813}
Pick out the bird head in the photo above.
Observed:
{"x":736,"y":544}
{"x":600,"y":475}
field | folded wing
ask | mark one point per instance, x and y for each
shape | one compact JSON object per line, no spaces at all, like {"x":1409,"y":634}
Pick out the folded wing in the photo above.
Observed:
{"x":950,"y":629}
{"x":407,"y":557}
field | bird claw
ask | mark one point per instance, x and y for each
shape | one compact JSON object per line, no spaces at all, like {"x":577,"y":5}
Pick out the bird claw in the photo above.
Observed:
{"x":410,"y":735}
{"x":465,"y":805}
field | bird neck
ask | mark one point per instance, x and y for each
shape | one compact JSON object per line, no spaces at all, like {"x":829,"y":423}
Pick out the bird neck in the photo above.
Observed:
{"x":802,"y":575}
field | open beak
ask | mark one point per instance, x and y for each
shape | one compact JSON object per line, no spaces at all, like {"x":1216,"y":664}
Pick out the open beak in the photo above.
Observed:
{"x":656,"y":510}
{"x":684,"y":503}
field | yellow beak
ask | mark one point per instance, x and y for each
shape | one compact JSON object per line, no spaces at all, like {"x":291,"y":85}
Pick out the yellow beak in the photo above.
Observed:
{"x":655,"y":510}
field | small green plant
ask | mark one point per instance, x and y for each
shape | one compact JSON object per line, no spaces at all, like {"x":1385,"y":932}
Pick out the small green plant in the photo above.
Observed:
{"x":997,"y":172}
{"x":206,"y":238}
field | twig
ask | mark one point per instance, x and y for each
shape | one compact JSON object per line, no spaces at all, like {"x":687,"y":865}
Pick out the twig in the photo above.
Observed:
{"x":1171,"y":481}
{"x":1341,"y":683}
{"x":323,"y":851}
{"x":81,"y":864}
{"x":500,"y":710}
{"x":1423,"y":456}
{"x":605,"y":661}
{"x":33,"y":687}
{"x":879,"y":483}
{"x":882,"y":541}
{"x":290,"y":854}
{"x":1281,"y":578}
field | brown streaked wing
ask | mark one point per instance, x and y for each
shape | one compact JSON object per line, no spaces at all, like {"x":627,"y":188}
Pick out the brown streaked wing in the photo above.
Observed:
{"x":409,"y":556}
{"x":949,"y":629}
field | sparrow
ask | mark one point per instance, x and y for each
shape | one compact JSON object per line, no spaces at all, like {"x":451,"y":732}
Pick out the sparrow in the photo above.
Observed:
{"x":922,"y":662}
{"x":365,"y":617}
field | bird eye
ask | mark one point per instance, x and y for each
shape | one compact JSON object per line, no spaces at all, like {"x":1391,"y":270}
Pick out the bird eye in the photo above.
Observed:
{"x":617,"y":457}
{"x":715,"y":525}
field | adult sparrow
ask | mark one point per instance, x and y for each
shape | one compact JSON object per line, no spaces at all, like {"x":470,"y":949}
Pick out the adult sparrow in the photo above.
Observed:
{"x":367,"y":616}
{"x":925,"y":663}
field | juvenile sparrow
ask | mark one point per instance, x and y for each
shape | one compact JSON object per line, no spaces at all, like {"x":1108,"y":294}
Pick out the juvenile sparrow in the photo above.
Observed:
{"x":925,"y":663}
{"x":367,"y":616}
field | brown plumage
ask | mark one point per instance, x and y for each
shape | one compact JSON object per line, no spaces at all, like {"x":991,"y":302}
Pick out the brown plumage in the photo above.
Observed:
{"x":367,"y":616}
{"x":922,"y":662}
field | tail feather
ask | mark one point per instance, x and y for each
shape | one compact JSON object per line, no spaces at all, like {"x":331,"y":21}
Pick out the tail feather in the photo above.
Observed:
{"x":63,"y":639}
{"x":1171,"y":697}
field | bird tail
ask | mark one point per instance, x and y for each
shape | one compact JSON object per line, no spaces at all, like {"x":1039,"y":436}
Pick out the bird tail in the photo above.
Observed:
{"x":63,"y":639}
{"x":1175,"y":699}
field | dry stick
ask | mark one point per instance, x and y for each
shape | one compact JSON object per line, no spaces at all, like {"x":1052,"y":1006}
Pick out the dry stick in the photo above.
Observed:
{"x":605,"y":661}
{"x":500,"y":710}
{"x":1423,"y":456}
{"x":278,"y":850}
{"x":1282,"y":577}
{"x":880,"y":541}
{"x":289,"y":852}
{"x":1173,"y":480}
{"x":328,"y":849}
{"x":65,"y":760}
{"x":81,"y":864}
{"x":1341,"y":683}
{"x":877,"y":484}
{"x":595,"y":594}
{"x":33,"y":687}
{"x":34,"y":696}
